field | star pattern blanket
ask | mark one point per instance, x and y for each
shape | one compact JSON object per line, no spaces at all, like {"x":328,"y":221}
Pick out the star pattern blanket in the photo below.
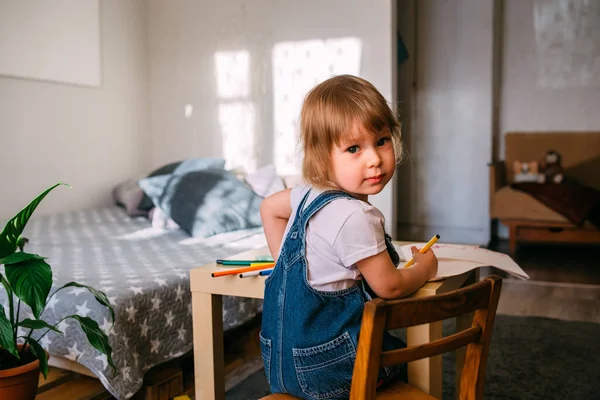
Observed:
{"x":145,"y":274}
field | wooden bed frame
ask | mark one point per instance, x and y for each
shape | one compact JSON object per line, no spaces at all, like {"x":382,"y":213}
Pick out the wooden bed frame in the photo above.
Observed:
{"x":526,"y":218}
{"x":174,"y":377}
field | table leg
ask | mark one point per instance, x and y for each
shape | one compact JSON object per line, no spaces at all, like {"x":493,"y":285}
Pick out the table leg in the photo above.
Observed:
{"x":425,"y":374}
{"x":207,"y":317}
{"x":463,"y":322}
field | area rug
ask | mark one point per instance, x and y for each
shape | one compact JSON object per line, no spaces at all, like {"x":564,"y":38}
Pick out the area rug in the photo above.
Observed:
{"x":530,"y":358}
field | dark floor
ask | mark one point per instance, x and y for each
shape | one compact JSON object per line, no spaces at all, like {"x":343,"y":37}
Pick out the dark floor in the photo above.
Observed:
{"x":562,"y":263}
{"x":564,"y":282}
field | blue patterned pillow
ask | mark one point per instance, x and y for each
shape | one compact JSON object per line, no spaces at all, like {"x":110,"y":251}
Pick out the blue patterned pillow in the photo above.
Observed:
{"x":190,"y":164}
{"x":205,"y":203}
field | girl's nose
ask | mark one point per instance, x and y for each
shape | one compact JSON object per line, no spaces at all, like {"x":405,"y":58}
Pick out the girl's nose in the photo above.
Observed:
{"x":374,"y":159}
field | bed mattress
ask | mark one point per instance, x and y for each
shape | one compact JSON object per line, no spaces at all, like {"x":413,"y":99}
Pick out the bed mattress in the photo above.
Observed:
{"x":144,"y":271}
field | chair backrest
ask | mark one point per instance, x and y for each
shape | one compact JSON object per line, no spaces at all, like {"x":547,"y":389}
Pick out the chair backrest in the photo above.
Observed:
{"x":381,"y":315}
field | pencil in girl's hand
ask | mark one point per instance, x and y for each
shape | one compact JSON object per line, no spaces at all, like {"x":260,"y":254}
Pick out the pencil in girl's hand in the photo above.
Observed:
{"x":423,"y":250}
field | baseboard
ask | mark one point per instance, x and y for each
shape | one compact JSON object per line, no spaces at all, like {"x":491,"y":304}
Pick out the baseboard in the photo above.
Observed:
{"x":448,"y":234}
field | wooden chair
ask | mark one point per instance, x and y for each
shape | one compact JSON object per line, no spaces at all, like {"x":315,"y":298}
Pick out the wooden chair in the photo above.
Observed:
{"x":381,"y":315}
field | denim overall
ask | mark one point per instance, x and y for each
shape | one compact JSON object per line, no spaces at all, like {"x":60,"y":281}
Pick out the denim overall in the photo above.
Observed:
{"x":309,"y":338}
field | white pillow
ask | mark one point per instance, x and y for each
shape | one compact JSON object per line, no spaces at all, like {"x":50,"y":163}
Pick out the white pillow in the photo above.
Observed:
{"x":160,"y":220}
{"x":265,"y":181}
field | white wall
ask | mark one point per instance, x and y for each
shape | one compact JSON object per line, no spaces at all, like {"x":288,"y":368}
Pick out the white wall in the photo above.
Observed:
{"x":53,"y":41}
{"x":547,"y":89}
{"x":186,"y":35}
{"x":90,"y":138}
{"x":549,"y":81}
{"x":528,"y":103}
{"x":446,"y":94}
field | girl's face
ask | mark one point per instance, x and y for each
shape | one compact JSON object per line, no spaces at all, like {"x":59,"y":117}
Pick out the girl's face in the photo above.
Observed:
{"x":364,"y":162}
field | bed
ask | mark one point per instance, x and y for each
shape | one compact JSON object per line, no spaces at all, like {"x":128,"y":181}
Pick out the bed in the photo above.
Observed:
{"x":145,"y":273}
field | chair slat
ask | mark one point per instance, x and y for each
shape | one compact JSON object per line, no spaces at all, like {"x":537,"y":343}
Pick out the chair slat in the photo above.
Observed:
{"x":411,"y":312}
{"x":449,"y":343}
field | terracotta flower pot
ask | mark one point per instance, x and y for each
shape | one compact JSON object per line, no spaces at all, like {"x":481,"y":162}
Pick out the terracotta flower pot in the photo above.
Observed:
{"x":20,"y":383}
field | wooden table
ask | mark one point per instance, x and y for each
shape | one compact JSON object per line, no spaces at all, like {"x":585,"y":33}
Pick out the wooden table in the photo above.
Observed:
{"x":207,"y":315}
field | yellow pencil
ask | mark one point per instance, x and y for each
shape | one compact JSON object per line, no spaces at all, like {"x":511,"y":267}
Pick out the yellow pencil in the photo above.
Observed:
{"x":423,"y":250}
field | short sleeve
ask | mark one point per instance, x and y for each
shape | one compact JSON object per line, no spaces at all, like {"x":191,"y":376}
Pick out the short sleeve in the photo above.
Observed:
{"x":296,"y":195}
{"x":361,"y":236}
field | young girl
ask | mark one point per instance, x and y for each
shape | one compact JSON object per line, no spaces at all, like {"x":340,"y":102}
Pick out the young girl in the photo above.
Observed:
{"x":336,"y":254}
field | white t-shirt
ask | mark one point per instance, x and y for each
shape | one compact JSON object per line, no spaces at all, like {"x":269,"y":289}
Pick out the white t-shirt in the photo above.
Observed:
{"x":339,"y":235}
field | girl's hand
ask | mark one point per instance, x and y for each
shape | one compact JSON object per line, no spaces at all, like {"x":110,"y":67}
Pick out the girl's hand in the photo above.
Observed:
{"x":390,"y":282}
{"x":427,"y":262}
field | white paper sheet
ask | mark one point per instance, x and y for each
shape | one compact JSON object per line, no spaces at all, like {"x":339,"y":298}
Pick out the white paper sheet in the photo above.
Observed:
{"x":456,"y":259}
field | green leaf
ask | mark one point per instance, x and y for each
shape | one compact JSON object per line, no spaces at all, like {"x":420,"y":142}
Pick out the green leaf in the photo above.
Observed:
{"x":31,"y":281}
{"x":96,"y":337}
{"x":37,"y":324}
{"x":100,"y":296}
{"x":14,"y":227}
{"x":20,"y":257}
{"x":6,"y":334}
{"x":9,"y":293}
{"x":39,"y":353}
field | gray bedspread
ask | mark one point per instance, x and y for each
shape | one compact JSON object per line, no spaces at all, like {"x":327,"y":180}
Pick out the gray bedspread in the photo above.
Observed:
{"x":144,"y":272}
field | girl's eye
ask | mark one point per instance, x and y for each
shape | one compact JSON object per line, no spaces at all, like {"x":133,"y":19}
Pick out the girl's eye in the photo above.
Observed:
{"x":382,"y":141}
{"x":352,"y":149}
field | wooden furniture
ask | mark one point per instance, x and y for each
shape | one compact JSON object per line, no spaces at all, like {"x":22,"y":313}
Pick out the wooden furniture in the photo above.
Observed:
{"x":380,"y":315}
{"x":526,"y":218}
{"x":160,"y":383}
{"x":62,"y":384}
{"x":207,"y":292}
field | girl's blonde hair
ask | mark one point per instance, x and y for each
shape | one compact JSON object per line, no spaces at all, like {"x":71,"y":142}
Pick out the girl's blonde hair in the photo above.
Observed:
{"x":329,"y":111}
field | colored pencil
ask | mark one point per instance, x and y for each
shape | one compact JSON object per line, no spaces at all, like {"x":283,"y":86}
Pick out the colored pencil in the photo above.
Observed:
{"x":423,"y":250}
{"x":263,"y":272}
{"x":249,"y":274}
{"x":236,"y":271}
{"x":242,"y":262}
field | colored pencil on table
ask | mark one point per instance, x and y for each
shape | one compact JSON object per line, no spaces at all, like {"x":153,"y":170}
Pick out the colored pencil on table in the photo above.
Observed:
{"x":235,"y":271}
{"x":263,"y":272}
{"x":235,"y":262}
{"x":249,"y":274}
{"x":242,"y":262}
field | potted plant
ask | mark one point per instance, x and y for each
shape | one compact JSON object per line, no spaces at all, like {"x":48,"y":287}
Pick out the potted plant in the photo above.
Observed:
{"x":27,"y":280}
